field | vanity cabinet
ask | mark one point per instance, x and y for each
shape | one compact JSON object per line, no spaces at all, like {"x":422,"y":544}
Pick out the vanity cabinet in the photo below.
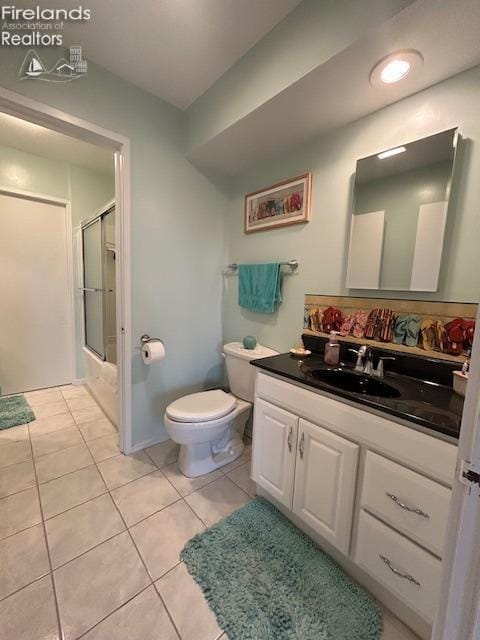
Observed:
{"x":325,"y":479}
{"x":376,"y":491}
{"x":309,"y":470}
{"x":401,"y":566}
{"x":407,"y":501}
{"x":275,"y":451}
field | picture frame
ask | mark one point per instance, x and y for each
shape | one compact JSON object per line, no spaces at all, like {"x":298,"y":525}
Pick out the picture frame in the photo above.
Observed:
{"x":280,"y":205}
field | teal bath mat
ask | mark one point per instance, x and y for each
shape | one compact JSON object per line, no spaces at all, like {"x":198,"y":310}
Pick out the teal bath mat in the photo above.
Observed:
{"x":14,"y":410}
{"x":265,"y":580}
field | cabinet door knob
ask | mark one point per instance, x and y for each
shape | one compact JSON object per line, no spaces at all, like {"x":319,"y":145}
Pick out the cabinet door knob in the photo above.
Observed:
{"x":405,"y":507}
{"x":301,"y":445}
{"x":289,"y":440}
{"x":399,"y":574}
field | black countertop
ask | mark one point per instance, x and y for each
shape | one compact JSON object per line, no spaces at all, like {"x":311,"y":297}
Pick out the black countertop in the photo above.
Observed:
{"x":429,"y":404}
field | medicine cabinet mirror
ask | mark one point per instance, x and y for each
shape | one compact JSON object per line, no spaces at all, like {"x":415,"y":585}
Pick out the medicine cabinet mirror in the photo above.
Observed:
{"x":399,"y":215}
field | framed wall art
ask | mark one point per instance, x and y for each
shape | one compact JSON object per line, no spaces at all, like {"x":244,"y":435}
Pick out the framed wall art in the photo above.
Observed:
{"x":282,"y":204}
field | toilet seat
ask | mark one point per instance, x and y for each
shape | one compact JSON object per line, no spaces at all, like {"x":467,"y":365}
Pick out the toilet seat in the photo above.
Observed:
{"x":201,"y":407}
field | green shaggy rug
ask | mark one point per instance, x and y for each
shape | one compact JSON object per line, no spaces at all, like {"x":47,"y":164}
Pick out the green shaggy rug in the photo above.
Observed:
{"x":265,"y":580}
{"x":14,"y":410}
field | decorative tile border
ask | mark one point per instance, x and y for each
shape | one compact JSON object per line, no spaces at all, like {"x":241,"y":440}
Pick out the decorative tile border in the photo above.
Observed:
{"x":443,"y":312}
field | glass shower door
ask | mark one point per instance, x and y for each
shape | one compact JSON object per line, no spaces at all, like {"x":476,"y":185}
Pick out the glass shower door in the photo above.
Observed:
{"x":94,"y":289}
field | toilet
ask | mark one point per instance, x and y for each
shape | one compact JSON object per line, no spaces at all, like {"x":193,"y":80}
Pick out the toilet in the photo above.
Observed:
{"x":209,"y":425}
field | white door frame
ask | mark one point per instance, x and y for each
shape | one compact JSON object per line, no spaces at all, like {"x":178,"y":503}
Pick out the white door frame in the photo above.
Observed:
{"x":66,"y":205}
{"x":458,"y":615}
{"x":38,"y":113}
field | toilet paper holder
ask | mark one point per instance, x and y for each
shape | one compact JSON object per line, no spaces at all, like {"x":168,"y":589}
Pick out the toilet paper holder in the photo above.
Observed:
{"x":146,"y":338}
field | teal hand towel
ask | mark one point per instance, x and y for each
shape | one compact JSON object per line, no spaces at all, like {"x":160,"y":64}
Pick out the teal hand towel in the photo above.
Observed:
{"x":260,"y":286}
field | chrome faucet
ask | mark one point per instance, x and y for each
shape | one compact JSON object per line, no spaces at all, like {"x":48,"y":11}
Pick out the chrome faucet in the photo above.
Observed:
{"x":379,"y":371}
{"x":369,"y":370}
{"x":361,"y":352}
{"x":366,"y":366}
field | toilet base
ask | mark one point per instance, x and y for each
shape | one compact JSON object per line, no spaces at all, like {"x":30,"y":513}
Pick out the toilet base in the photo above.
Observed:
{"x":206,"y":446}
{"x":198,"y":459}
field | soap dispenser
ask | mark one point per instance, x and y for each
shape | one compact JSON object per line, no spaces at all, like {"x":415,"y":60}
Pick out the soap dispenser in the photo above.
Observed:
{"x":332,"y":350}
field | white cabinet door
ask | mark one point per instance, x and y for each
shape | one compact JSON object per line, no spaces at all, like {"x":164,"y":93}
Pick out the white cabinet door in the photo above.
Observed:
{"x":325,"y":480}
{"x":274,"y":446}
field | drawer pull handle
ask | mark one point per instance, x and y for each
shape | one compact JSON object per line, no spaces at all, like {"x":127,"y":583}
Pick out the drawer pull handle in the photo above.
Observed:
{"x":405,"y":576}
{"x":301,"y":445}
{"x":419,"y":512}
{"x":289,"y":441}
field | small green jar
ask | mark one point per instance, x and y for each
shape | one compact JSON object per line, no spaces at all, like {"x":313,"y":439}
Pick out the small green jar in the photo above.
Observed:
{"x":249,"y":342}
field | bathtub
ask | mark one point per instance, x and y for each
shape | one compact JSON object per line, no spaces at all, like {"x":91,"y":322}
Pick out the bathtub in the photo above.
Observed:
{"x":102,"y":381}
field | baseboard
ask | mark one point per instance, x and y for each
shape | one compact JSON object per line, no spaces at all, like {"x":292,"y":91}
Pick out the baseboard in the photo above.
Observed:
{"x":148,"y":443}
{"x":78,"y":382}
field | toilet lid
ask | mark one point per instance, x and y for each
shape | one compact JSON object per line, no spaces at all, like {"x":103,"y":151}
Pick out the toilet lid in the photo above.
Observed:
{"x":201,"y":407}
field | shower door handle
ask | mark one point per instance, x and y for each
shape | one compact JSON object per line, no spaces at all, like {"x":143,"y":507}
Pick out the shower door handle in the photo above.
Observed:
{"x":89,"y":289}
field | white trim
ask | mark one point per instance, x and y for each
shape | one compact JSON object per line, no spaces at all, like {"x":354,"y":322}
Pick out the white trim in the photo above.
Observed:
{"x":123,"y":295}
{"x":71,"y":288}
{"x":34,"y":195}
{"x":99,"y":212}
{"x":22,"y":107}
{"x":459,"y":606}
{"x":67,"y":207}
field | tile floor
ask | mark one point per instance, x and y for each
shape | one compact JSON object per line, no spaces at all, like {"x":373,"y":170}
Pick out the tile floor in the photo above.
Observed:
{"x":89,"y":538}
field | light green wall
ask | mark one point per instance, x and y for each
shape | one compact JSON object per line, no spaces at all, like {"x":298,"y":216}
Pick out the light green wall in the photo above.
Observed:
{"x":321,"y":245}
{"x":87,"y":191}
{"x":401,"y":196}
{"x":177,"y":235}
{"x":311,"y":34}
{"x":32,"y":173}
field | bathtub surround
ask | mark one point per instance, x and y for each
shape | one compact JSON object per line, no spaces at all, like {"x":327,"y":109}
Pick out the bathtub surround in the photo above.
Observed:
{"x":323,"y":243}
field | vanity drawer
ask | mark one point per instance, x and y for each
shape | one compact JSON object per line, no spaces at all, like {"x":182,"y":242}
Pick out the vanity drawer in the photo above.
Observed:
{"x":409,"y":502}
{"x":400,"y":565}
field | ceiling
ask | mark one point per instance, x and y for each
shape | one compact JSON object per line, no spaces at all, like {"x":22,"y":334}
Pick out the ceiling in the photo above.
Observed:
{"x":173,"y":49}
{"x":338,"y":91}
{"x":32,"y":138}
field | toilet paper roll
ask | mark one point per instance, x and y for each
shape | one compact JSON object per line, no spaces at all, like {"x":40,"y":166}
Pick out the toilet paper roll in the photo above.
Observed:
{"x":153,"y":352}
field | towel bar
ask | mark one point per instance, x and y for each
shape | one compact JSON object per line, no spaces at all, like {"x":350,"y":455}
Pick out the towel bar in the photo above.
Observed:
{"x":293,"y":264}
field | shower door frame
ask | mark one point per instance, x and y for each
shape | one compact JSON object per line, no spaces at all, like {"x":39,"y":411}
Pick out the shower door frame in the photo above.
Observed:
{"x":20,"y":106}
{"x":97,"y":216}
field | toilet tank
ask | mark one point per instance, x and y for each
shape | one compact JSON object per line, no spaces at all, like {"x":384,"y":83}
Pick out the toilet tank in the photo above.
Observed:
{"x":241,"y":375}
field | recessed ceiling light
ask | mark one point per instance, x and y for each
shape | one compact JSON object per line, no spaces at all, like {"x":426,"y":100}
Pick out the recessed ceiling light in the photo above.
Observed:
{"x":391,"y":152}
{"x":394,"y":71}
{"x":395,"y":67}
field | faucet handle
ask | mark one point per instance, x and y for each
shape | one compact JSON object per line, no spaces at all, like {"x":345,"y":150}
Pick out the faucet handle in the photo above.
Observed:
{"x":379,"y":371}
{"x":369,"y":370}
{"x":360,"y":353}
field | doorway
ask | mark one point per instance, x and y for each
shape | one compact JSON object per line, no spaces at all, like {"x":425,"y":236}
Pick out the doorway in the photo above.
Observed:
{"x":31,"y":111}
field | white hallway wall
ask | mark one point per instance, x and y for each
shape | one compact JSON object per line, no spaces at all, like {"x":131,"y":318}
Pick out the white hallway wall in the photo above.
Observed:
{"x":87,"y":190}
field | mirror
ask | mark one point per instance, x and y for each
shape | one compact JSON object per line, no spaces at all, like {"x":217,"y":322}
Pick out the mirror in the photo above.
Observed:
{"x":399,"y":215}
